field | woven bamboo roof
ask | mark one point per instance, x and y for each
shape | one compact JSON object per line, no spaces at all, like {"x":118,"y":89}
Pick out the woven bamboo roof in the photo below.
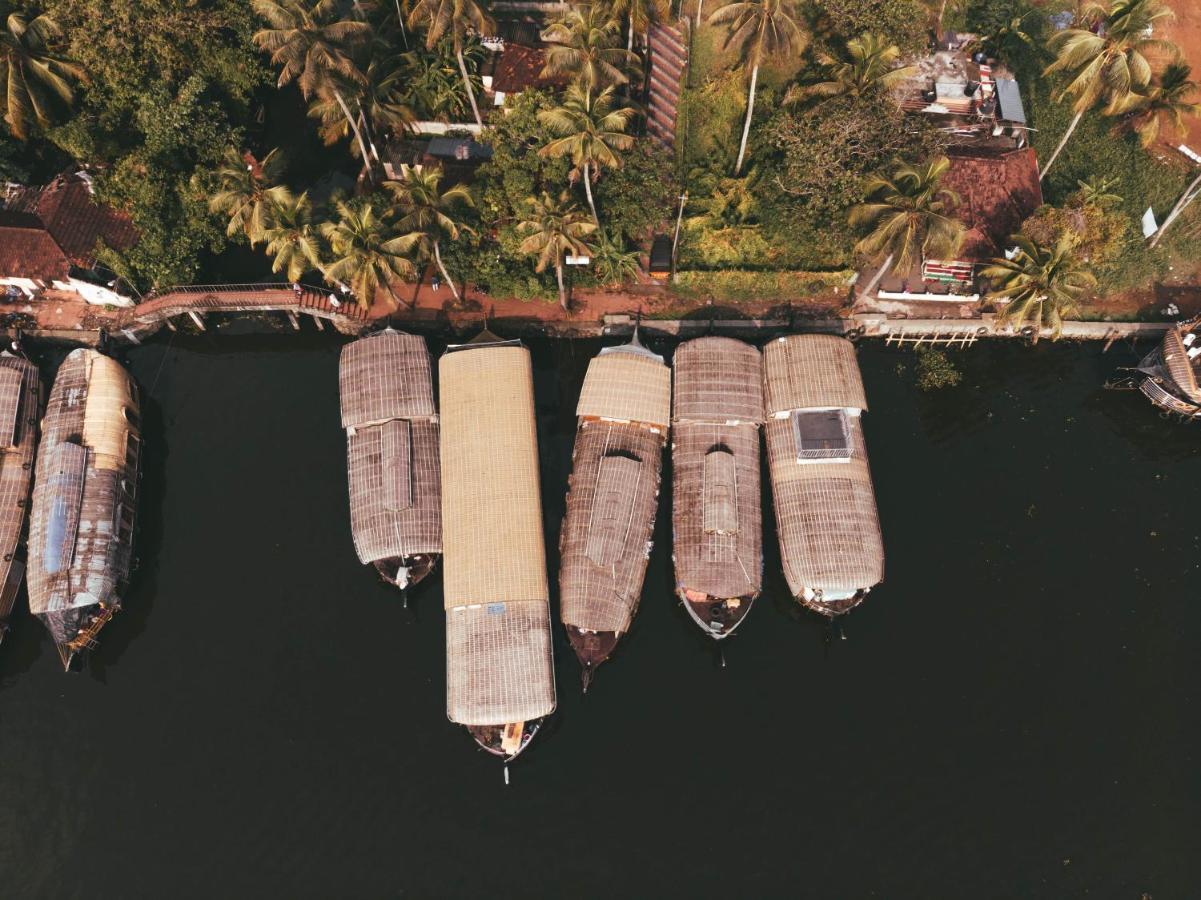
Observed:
{"x":84,"y":490}
{"x":385,"y":376}
{"x":826,"y":515}
{"x":724,"y":561}
{"x":811,"y":371}
{"x":629,"y":384}
{"x":1179,"y":366}
{"x":612,"y":498}
{"x":499,"y":667}
{"x":498,"y":625}
{"x":718,"y":379}
{"x":19,"y":401}
{"x":392,"y":463}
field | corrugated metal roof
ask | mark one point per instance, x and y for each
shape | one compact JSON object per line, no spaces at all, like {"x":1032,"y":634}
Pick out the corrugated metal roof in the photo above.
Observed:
{"x":1009,"y":100}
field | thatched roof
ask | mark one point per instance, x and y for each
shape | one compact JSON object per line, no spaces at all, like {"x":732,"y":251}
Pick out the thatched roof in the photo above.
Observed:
{"x":1179,"y":366}
{"x":385,"y":376}
{"x":718,"y":379}
{"x":392,"y":460}
{"x":611,"y":504}
{"x":495,"y":587}
{"x":19,"y":402}
{"x":826,"y":514}
{"x":83,"y":496}
{"x":629,"y":384}
{"x":725,"y":561}
{"x":811,"y":371}
{"x":499,"y":667}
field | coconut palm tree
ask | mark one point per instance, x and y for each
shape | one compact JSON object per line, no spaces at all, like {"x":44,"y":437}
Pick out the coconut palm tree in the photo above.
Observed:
{"x":428,"y":213}
{"x":313,"y":45}
{"x":910,"y":219}
{"x":1041,"y":284}
{"x":32,"y":77}
{"x":381,"y":104}
{"x":367,"y":252}
{"x":292,"y":239}
{"x":458,"y":19}
{"x":870,"y":65}
{"x":553,"y":229}
{"x":640,"y":14}
{"x":583,"y":46}
{"x":1107,"y":62}
{"x":761,"y":28}
{"x":938,"y":8}
{"x":613,"y":263}
{"x":248,"y":191}
{"x":1172,"y":95}
{"x":590,"y":131}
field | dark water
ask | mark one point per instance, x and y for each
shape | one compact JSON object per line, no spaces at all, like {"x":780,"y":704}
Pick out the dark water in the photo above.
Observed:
{"x":1013,"y":714}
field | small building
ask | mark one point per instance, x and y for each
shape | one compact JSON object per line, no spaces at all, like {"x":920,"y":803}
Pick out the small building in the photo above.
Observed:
{"x":998,"y":189}
{"x":49,"y":238}
{"x":975,"y":100}
{"x":519,"y":67}
{"x":1170,"y":371}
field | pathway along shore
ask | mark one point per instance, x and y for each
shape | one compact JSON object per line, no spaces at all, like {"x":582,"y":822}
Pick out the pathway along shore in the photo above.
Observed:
{"x":597,"y":315}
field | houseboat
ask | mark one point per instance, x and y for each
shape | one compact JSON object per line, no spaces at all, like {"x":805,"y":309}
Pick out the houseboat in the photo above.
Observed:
{"x":612,"y":497}
{"x":500,"y":680}
{"x":20,"y":391}
{"x":717,"y":518}
{"x":1169,"y":372}
{"x":830,"y":541}
{"x":391,"y":424}
{"x":84,"y":500}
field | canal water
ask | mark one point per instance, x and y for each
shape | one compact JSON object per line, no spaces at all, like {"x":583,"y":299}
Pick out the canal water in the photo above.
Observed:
{"x":1013,"y":713}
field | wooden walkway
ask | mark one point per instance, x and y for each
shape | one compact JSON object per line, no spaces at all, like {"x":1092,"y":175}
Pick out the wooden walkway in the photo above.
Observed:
{"x":195,"y":301}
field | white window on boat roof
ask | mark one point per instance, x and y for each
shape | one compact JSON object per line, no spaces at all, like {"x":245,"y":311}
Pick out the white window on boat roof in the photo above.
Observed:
{"x":821,"y":435}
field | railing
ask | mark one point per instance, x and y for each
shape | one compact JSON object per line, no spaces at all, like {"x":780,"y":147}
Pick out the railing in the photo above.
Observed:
{"x":270,"y":295}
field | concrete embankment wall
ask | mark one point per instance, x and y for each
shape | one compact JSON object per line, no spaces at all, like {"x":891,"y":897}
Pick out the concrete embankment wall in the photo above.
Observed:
{"x":954,"y":331}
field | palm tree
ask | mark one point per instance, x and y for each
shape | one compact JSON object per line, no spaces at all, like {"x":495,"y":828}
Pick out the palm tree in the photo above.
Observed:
{"x":313,"y":45}
{"x":590,"y":131}
{"x":1041,"y":284}
{"x":583,"y":46}
{"x":1172,"y":96}
{"x":554,"y":229}
{"x":870,"y":65}
{"x":1110,"y":64}
{"x":910,"y":219}
{"x":458,"y":18}
{"x":1097,"y":191}
{"x":761,"y":28}
{"x":367,"y":252}
{"x":641,"y":15}
{"x":941,"y":6}
{"x":292,"y":239}
{"x":381,"y":104}
{"x":247,"y":192}
{"x":33,"y":78}
{"x":429,"y":214}
{"x":614,"y":264}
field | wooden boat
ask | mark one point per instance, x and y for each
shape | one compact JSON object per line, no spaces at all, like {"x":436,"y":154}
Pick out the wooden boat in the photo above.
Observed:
{"x":84,"y":500}
{"x":500,"y":680}
{"x":612,"y":497}
{"x":1170,"y":371}
{"x":20,"y":398}
{"x":717,"y":519}
{"x":826,"y":517}
{"x":391,"y":424}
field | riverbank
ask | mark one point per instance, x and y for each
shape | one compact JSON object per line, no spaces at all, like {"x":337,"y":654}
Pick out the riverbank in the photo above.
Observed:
{"x":592,"y":314}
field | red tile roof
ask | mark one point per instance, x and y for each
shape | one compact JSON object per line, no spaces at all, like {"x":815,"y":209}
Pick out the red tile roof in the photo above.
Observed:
{"x":75,"y":220}
{"x":28,"y":251}
{"x":997,"y":192}
{"x":520,"y":67}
